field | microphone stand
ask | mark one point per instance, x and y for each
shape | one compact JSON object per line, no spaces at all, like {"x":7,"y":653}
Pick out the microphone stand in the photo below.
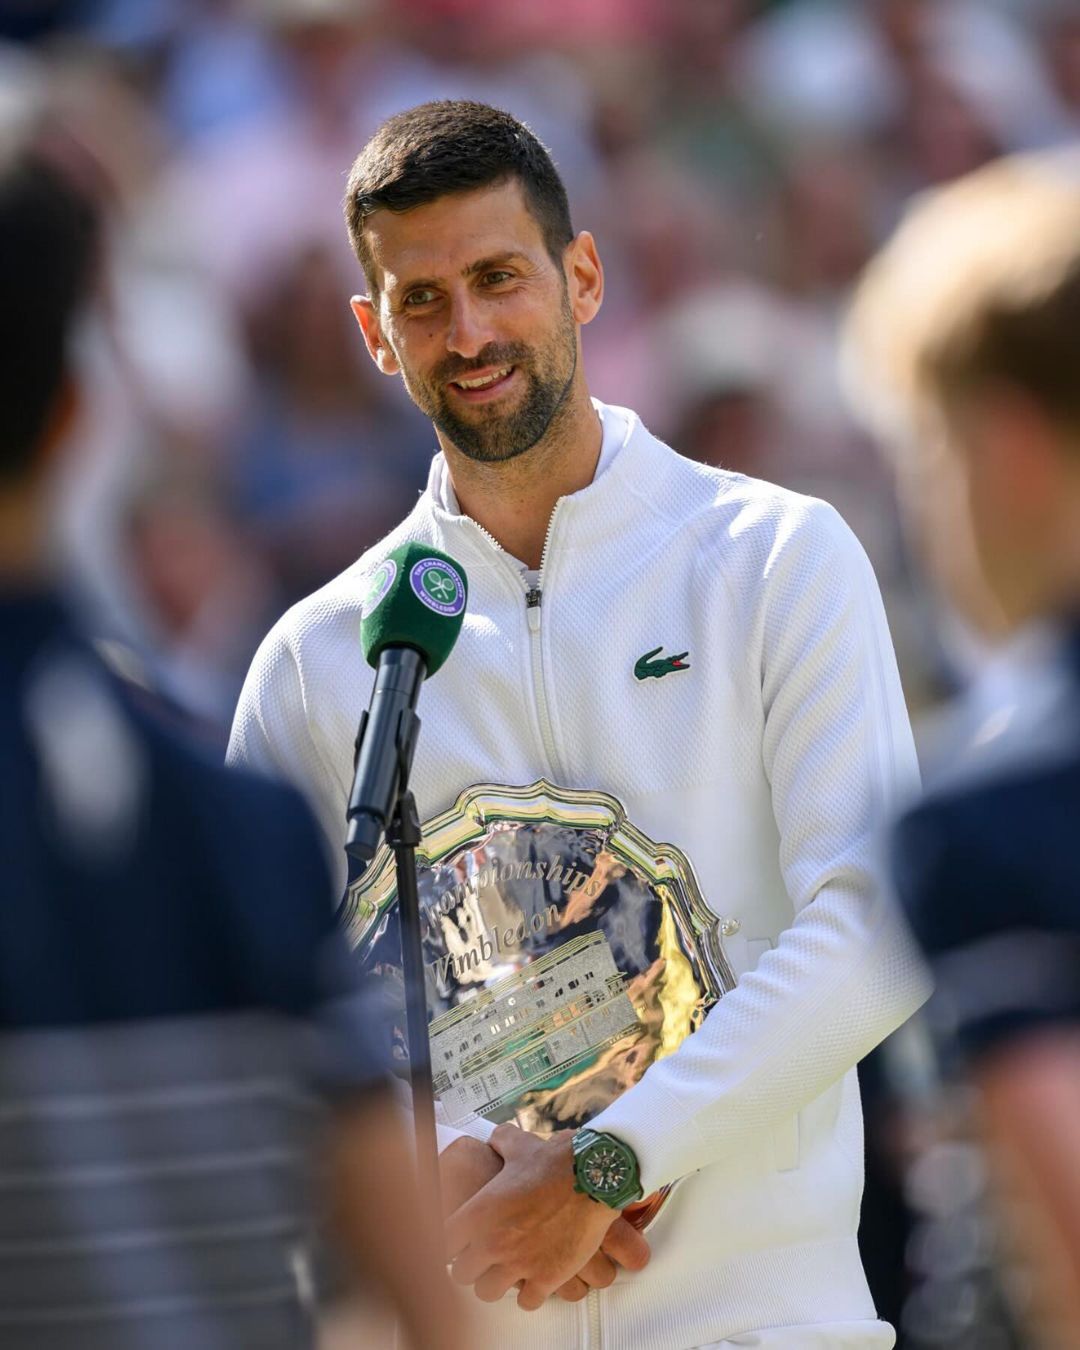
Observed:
{"x":403,"y":835}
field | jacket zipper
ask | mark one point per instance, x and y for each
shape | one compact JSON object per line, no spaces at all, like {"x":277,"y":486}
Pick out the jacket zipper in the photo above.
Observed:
{"x":592,"y":1335}
{"x":534,"y":597}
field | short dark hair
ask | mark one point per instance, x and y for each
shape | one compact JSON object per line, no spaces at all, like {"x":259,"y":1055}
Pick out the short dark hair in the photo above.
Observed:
{"x":449,"y":146}
{"x":48,"y":248}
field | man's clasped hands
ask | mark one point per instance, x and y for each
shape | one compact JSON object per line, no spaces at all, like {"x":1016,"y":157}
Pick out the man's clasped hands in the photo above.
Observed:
{"x":514,"y":1218}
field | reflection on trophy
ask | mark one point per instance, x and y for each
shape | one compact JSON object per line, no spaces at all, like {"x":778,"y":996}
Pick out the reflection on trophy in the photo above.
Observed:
{"x":564,"y":952}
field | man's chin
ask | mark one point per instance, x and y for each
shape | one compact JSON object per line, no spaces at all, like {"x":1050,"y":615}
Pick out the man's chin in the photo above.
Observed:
{"x":499,"y":431}
{"x":487,"y":438}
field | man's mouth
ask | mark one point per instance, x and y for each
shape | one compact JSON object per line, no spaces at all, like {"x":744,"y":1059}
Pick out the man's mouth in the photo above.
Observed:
{"x":475,"y":386}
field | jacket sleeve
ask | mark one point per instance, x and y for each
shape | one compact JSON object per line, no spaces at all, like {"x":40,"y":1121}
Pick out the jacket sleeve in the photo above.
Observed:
{"x":837,"y":750}
{"x":271,"y":734}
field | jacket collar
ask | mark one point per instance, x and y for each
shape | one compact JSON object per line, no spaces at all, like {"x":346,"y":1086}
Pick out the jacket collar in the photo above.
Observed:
{"x":627,"y":463}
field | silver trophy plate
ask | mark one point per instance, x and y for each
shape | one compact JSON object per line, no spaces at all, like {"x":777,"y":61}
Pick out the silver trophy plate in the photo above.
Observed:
{"x":564,"y":952}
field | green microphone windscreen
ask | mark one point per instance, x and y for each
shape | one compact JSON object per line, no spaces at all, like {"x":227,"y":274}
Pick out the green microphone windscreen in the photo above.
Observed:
{"x":415,"y":598}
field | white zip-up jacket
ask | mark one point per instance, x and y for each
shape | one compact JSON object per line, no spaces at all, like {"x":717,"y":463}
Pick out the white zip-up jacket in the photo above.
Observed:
{"x":769,"y":760}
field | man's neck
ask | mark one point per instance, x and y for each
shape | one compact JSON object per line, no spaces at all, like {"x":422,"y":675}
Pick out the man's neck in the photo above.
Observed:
{"x":513,"y":500}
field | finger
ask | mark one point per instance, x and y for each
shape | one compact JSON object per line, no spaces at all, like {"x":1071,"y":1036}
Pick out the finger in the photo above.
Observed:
{"x":463,"y":1226}
{"x":469,"y":1266}
{"x":505,"y":1139}
{"x":533,"y":1295}
{"x":598,"y":1272}
{"x":493,"y":1284}
{"x":626,"y":1245}
{"x":573,"y":1291}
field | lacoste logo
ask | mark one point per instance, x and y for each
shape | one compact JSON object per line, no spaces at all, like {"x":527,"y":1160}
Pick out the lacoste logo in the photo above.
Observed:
{"x":646,"y":667}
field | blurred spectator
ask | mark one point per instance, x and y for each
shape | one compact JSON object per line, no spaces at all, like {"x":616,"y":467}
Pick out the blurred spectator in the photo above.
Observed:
{"x":1060,"y":37}
{"x":195,"y":574}
{"x":323,"y":456}
{"x":964,"y":339}
{"x":268,"y":184}
{"x":184,"y":1083}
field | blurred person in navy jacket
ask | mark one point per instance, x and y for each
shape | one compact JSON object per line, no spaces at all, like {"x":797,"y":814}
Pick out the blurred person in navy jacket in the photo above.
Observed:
{"x":964,"y":345}
{"x":180,"y":1049}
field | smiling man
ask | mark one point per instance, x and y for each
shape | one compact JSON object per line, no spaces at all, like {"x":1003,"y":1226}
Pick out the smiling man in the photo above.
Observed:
{"x":708,"y":650}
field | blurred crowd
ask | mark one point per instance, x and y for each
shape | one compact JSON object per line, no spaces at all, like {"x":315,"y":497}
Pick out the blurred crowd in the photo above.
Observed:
{"x":737,"y":163}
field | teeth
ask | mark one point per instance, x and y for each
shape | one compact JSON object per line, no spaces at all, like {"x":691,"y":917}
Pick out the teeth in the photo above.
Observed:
{"x":484,"y":379}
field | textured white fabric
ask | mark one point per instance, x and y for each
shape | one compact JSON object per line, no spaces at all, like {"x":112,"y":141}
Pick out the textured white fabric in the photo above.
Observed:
{"x":826,"y":1336}
{"x":769,"y":761}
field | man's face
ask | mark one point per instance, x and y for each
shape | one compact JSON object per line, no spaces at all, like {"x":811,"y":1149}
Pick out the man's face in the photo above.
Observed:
{"x":475,"y":315}
{"x":1021,"y":481}
{"x":988,"y":490}
{"x":935,"y":494}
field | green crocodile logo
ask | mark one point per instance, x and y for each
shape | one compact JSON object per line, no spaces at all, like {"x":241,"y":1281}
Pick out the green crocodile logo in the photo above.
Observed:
{"x":645,"y":667}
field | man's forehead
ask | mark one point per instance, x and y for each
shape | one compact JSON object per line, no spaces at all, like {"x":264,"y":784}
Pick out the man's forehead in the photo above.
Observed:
{"x":447,"y":237}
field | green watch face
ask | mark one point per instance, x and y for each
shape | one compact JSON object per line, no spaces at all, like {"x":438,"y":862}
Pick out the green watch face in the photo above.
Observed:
{"x":606,"y":1168}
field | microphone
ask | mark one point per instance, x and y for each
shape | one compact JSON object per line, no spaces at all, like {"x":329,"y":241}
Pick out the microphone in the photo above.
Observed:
{"x":411,"y":617}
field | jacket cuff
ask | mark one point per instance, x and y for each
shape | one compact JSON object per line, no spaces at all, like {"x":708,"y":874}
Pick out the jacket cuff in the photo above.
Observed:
{"x":479,"y":1129}
{"x":650,"y":1120}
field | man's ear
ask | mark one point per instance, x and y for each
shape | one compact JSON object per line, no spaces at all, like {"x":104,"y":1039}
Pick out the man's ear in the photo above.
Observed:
{"x":367,"y":316}
{"x":584,"y":277}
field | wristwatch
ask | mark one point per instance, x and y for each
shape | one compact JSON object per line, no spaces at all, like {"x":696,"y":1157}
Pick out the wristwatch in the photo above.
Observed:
{"x":605,"y":1168}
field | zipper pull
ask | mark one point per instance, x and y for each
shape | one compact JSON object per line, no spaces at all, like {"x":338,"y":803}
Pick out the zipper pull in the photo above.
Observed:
{"x":533,"y":597}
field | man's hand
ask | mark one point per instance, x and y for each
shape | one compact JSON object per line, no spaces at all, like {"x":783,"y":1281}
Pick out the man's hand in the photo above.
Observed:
{"x":467,"y":1165}
{"x":623,"y":1245}
{"x":528,"y":1226}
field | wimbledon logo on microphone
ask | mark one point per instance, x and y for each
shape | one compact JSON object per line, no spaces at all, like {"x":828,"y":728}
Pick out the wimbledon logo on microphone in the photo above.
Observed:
{"x":438,"y":586}
{"x":381,"y":581}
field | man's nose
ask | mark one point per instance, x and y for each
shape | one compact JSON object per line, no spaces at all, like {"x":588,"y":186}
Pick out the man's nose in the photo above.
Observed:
{"x":468,"y":333}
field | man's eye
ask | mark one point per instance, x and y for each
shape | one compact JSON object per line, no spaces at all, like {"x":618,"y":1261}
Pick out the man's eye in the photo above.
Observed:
{"x":494,"y":278}
{"x":420,"y":297}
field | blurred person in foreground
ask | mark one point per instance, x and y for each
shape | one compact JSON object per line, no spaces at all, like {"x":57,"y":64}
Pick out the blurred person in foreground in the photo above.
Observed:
{"x":964,"y":344}
{"x":174,"y":999}
{"x":767,"y":755}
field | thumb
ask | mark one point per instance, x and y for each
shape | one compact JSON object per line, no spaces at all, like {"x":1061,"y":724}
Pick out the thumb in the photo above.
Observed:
{"x":626,"y":1245}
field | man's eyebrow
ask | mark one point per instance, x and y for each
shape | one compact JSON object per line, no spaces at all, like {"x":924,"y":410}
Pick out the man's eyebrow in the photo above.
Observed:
{"x":490,"y":263}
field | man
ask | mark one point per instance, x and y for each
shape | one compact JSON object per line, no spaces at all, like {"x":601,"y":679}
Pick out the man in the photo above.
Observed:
{"x":173,"y":992}
{"x":964,"y":337}
{"x":766,"y":752}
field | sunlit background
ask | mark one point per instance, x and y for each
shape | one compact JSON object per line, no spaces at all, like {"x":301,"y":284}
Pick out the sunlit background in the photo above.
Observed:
{"x":737,"y":163}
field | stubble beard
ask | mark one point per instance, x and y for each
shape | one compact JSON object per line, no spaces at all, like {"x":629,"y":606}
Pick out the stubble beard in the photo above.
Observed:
{"x":494,"y":437}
